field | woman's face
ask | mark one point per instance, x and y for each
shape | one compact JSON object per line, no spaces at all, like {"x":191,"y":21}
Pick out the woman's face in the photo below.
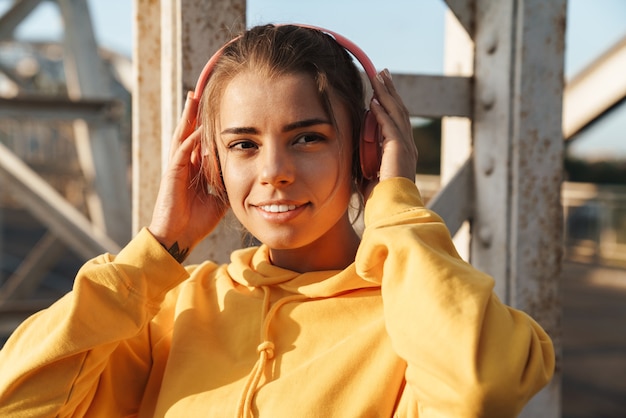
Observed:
{"x":286,"y":168}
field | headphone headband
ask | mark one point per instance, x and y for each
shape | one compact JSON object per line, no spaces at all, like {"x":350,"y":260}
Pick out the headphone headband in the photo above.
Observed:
{"x":344,"y":42}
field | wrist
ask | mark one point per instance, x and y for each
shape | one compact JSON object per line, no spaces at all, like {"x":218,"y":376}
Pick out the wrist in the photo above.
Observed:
{"x":179,"y":254}
{"x":172,"y":246}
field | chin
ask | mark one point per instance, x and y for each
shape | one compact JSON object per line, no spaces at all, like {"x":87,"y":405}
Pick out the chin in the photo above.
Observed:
{"x":282,"y":243}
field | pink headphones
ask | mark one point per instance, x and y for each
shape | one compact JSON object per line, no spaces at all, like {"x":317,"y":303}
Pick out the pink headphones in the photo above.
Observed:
{"x":371,"y":137}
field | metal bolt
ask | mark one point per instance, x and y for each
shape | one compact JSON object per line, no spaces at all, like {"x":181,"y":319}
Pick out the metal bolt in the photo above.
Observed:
{"x":491,"y":43}
{"x":488,"y":98}
{"x":485,"y":236}
{"x":488,"y":164}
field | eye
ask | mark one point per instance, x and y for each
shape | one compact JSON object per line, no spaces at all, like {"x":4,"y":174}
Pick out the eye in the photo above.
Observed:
{"x":309,"y":138}
{"x":242,"y":145}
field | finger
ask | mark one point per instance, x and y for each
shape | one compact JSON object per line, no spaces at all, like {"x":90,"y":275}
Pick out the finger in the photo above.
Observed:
{"x":183,"y":154}
{"x":395,"y":140}
{"x":196,"y":154}
{"x":389,"y":85}
{"x":389,"y":128}
{"x":390,"y":99}
{"x":187,"y":122}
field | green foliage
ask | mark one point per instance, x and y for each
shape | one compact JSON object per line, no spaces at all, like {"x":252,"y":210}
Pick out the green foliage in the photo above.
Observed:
{"x":601,"y":172}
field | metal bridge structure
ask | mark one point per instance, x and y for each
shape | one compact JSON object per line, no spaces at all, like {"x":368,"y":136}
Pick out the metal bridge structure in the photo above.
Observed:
{"x":502,"y":99}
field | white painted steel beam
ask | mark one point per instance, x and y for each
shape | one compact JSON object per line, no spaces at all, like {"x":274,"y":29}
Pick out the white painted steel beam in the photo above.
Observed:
{"x":518,"y":145}
{"x":456,"y":132}
{"x":184,"y":45}
{"x":146,"y":108}
{"x":222,"y":19}
{"x":494,"y":70}
{"x":53,"y":108}
{"x":595,"y":90}
{"x":435,"y":96}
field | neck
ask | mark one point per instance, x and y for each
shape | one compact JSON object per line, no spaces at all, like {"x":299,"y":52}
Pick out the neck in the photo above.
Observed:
{"x":319,"y":256}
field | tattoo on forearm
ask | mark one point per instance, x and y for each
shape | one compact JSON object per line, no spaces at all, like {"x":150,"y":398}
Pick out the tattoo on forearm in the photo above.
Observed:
{"x":175,"y":251}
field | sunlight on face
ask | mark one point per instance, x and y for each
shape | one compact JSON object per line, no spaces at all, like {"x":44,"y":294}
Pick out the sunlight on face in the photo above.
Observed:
{"x":285,"y":166}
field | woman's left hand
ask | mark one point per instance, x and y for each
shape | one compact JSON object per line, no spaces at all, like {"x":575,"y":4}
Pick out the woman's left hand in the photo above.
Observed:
{"x":399,"y":152}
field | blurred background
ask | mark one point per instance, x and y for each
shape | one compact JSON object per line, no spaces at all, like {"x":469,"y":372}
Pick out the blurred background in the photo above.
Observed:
{"x":42,"y":146}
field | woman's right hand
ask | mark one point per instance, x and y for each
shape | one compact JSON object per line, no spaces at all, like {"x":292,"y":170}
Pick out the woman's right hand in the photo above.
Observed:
{"x":185,"y":212}
{"x":399,"y":152}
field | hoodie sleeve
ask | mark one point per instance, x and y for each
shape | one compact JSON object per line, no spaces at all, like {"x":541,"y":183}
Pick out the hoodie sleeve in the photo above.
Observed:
{"x":467,"y":353}
{"x":92,"y":341}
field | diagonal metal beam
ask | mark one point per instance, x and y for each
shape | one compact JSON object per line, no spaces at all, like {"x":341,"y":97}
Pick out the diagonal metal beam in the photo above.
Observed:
{"x":596,"y":89}
{"x":33,"y":269}
{"x":455,"y":202}
{"x":12,"y":75}
{"x":15,"y":15}
{"x":45,"y":203}
{"x":465,"y":12}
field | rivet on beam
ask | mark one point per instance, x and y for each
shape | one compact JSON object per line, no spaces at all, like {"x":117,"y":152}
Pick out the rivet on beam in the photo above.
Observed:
{"x":488,"y":98}
{"x":491,"y":43}
{"x":488,"y":165}
{"x":485,"y":236}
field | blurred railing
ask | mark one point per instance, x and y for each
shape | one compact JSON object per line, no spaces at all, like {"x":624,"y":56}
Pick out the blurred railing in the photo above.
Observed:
{"x":594,"y":218}
{"x":595,"y":223}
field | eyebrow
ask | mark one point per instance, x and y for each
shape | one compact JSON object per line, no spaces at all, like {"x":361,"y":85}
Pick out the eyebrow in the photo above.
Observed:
{"x":289,"y":127}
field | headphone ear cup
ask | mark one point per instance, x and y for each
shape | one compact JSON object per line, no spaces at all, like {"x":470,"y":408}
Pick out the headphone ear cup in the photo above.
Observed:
{"x":370,"y":146}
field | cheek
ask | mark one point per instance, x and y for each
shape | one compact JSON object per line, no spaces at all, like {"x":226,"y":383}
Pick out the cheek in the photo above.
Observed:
{"x":236,"y":179}
{"x":332,"y":177}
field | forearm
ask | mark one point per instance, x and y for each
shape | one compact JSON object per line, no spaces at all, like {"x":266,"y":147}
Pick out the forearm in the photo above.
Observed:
{"x":47,"y":370}
{"x":467,"y":353}
{"x":53,"y":362}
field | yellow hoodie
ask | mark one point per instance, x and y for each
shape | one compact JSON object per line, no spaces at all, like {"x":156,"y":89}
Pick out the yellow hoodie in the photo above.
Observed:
{"x":408,"y":330}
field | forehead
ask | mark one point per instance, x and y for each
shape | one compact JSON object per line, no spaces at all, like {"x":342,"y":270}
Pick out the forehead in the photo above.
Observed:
{"x":252,"y":94}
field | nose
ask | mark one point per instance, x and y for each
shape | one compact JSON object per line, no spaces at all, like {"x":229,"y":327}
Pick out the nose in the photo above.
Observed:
{"x":277,"y":167}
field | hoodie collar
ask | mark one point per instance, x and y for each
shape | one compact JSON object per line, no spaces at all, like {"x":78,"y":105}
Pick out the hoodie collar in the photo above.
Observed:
{"x":251,"y":267}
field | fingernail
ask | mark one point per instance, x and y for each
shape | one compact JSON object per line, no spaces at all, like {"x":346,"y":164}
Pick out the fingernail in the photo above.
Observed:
{"x":387,"y":73}
{"x":375,"y":101}
{"x":189,"y":97}
{"x":379,"y":77}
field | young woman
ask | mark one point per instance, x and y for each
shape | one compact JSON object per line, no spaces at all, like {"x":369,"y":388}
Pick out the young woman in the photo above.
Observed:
{"x":316,"y":321}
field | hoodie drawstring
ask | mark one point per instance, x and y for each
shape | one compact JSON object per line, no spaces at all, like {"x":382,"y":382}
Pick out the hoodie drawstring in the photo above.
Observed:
{"x":265,"y":350}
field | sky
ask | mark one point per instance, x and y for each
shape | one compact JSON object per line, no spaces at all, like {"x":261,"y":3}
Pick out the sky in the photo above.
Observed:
{"x":405,"y":36}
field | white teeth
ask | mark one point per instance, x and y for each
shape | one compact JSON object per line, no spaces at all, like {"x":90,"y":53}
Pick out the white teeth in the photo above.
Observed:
{"x":278,"y":208}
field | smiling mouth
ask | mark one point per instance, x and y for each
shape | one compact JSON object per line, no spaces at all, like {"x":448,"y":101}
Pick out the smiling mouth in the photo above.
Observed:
{"x":278,"y":208}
